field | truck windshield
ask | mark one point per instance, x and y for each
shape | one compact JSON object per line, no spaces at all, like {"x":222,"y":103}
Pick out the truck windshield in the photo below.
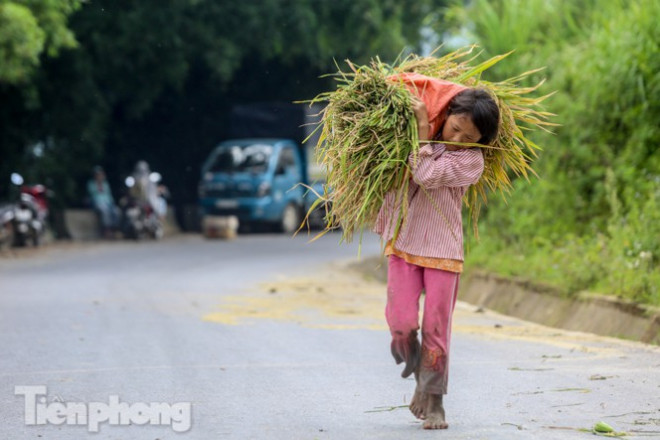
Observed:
{"x":241,"y":158}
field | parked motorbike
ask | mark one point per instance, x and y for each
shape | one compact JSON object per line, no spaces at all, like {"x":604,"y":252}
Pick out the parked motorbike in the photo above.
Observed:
{"x":26,"y":224}
{"x":139,"y":219}
{"x":39,"y":195}
{"x":28,"y":219}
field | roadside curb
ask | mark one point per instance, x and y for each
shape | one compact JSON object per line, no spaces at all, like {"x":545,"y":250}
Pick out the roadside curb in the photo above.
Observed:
{"x":544,"y":304}
{"x":537,"y":302}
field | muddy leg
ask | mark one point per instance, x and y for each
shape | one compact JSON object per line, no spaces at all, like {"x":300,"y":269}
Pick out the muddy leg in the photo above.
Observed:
{"x":435,"y":413}
{"x":414,"y":355}
{"x":404,"y":287}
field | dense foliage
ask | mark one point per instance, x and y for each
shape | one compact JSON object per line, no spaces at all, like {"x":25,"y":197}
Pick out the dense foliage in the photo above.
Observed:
{"x":592,"y":219}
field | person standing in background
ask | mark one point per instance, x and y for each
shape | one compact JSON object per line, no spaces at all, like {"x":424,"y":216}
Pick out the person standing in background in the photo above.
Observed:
{"x":103,"y":202}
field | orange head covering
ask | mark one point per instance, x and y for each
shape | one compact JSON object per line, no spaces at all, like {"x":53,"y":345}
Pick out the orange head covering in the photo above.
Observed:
{"x":436,"y":94}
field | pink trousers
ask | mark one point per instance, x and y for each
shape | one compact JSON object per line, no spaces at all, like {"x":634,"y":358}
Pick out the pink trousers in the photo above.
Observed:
{"x":405,"y":283}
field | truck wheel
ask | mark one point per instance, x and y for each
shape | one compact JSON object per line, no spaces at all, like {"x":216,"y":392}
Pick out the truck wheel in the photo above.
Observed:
{"x":290,"y":220}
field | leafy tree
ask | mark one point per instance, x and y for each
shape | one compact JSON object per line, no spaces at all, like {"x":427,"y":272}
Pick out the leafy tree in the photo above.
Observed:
{"x":28,"y":29}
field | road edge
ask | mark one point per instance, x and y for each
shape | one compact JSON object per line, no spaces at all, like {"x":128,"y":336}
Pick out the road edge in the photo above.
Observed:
{"x":541,"y":303}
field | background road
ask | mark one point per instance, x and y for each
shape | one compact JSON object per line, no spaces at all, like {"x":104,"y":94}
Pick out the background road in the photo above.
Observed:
{"x":270,"y":337}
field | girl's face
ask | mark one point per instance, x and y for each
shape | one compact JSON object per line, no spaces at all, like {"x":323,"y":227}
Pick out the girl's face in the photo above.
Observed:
{"x":459,"y":128}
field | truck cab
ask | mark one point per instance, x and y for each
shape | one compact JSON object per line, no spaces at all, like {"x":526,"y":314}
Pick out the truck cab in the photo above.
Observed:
{"x":258,"y":181}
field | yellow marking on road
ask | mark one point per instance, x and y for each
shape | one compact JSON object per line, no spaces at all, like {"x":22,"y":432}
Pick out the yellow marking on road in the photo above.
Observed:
{"x":338,"y":298}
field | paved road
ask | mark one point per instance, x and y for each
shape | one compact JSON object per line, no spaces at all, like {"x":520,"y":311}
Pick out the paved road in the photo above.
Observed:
{"x":269,"y":337}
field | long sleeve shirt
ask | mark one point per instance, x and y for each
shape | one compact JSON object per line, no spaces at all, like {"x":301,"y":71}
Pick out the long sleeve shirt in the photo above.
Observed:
{"x":433,"y":225}
{"x":100,"y":193}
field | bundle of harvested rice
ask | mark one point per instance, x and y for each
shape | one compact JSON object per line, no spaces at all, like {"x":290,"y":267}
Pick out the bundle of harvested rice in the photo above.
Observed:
{"x":368,"y":131}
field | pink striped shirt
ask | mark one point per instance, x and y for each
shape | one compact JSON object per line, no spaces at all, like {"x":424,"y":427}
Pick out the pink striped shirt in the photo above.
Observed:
{"x":433,"y":226}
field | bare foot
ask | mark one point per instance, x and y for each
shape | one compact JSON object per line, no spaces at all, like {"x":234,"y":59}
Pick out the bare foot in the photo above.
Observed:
{"x":418,"y":404}
{"x":435,"y":413}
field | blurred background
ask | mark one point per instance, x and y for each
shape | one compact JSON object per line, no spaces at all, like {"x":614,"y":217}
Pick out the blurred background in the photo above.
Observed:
{"x":110,"y":83}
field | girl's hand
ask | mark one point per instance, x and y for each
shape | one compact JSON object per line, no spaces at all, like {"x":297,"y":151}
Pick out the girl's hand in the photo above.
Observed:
{"x":422,"y":116}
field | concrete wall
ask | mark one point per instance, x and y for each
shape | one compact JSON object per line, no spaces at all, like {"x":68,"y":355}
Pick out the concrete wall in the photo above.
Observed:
{"x":83,"y":225}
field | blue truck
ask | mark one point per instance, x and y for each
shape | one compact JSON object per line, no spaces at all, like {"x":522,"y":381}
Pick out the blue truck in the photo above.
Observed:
{"x":261,"y":181}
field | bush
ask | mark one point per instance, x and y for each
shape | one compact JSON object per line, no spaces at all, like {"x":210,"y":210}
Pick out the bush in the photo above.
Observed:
{"x":592,"y":219}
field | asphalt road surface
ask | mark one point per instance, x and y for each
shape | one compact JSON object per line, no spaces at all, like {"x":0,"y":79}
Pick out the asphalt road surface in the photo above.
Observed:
{"x":272,"y":337}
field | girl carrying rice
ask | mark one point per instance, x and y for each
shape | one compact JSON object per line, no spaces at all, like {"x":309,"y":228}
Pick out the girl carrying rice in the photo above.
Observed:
{"x":426,"y":252}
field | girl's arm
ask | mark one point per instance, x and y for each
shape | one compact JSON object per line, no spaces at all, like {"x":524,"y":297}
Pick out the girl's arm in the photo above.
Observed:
{"x":436,"y":166}
{"x":422,"y":116}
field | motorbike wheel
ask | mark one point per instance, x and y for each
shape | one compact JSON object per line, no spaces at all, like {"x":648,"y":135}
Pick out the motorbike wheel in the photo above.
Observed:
{"x":6,"y":236}
{"x":157,"y":232}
